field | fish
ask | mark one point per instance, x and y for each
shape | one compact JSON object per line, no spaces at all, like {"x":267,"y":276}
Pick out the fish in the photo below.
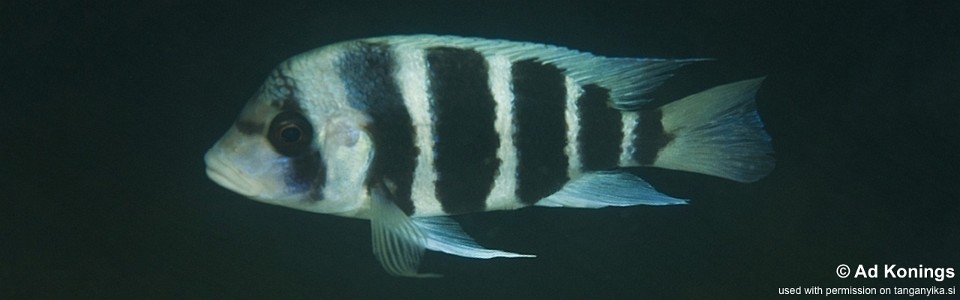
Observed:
{"x":408,"y":130}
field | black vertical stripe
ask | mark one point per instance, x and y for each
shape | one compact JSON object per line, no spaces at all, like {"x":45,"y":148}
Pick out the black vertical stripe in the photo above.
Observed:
{"x":540,"y":136}
{"x":466,"y":141}
{"x":367,"y":72}
{"x":649,"y":137}
{"x":308,"y":173}
{"x":601,"y":130}
{"x":305,"y":170}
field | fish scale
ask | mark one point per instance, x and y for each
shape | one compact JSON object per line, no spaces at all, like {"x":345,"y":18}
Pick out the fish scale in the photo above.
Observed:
{"x":408,"y":130}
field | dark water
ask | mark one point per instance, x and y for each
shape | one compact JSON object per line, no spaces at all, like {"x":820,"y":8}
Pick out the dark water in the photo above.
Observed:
{"x":108,"y":107}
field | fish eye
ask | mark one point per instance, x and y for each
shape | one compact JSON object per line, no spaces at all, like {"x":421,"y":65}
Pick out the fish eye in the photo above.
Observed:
{"x":290,"y":134}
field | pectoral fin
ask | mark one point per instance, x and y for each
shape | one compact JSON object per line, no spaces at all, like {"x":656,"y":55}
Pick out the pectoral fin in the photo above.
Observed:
{"x":398,"y":243}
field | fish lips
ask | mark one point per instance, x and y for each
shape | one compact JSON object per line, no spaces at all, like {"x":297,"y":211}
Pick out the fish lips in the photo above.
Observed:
{"x":221,"y":172}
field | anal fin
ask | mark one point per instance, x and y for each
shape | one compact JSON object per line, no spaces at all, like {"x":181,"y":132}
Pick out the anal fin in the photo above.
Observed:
{"x":608,"y":188}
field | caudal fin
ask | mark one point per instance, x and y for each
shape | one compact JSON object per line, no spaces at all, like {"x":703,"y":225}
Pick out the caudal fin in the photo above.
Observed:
{"x":716,"y":132}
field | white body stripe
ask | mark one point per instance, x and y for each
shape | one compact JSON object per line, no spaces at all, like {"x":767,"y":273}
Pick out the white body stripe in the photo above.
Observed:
{"x":412,"y":78}
{"x":504,"y":193}
{"x":573,"y":128}
{"x":627,"y":149}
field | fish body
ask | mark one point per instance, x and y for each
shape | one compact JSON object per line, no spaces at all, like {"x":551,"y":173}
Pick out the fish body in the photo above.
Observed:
{"x":406,"y":130}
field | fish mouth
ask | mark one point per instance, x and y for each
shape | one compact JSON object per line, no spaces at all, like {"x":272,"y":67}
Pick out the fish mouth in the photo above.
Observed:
{"x":223,"y":174}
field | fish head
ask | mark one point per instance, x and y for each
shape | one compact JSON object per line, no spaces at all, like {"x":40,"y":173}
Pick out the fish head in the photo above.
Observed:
{"x":292,"y":148}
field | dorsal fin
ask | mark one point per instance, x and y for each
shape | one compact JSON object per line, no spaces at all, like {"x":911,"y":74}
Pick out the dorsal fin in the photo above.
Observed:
{"x":628,"y":79}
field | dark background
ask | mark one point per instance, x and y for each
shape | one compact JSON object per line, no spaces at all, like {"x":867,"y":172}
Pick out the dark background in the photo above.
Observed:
{"x":108,"y":107}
